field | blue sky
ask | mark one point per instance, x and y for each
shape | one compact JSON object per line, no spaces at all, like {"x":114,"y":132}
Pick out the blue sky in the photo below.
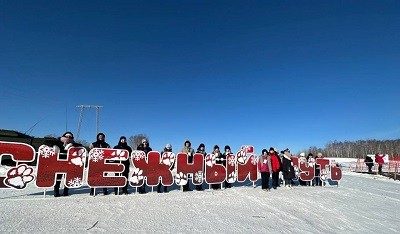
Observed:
{"x":268,"y":73}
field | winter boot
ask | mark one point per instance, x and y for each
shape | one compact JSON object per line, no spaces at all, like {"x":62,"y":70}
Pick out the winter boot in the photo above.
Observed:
{"x":57,"y":189}
{"x":65,"y":194}
{"x":56,"y":192}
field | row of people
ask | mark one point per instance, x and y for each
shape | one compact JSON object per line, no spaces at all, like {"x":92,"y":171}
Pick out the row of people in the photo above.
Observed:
{"x":310,"y":160}
{"x":67,"y":140}
{"x":220,"y":159}
{"x":379,"y":159}
{"x":270,"y":163}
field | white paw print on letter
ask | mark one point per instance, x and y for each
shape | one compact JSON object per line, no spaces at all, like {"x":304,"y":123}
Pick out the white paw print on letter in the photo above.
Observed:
{"x":231,"y":177}
{"x":181,"y":179}
{"x":137,"y":176}
{"x":19,"y":177}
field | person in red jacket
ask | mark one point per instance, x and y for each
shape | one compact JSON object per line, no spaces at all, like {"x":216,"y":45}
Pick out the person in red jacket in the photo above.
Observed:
{"x":275,"y":164}
{"x":264,"y":165}
{"x":380,"y":161}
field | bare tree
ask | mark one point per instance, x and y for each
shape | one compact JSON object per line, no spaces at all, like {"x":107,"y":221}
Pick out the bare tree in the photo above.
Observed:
{"x":136,"y":140}
{"x":358,"y":149}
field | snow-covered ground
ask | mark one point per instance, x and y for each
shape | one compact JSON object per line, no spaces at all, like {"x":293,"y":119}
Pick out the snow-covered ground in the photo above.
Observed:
{"x":361,"y":204}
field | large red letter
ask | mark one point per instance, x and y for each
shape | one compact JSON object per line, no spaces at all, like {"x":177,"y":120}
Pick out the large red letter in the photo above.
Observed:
{"x":49,"y":164}
{"x":336,"y":173}
{"x":16,"y":177}
{"x":231,"y":168}
{"x":183,"y":169}
{"x":324,"y":163}
{"x":307,"y":171}
{"x":19,"y":152}
{"x":152,"y":169}
{"x":99,"y":165}
{"x":247,"y":164}
{"x":215,"y":173}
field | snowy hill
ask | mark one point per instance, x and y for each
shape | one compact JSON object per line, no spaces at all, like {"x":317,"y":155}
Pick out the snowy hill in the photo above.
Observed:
{"x":361,"y":204}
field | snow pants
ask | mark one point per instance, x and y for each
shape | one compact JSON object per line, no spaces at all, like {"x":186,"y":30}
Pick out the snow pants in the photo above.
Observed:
{"x":265,"y":180}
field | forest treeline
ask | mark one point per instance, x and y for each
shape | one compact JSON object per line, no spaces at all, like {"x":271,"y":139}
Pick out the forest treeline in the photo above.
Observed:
{"x":357,"y":149}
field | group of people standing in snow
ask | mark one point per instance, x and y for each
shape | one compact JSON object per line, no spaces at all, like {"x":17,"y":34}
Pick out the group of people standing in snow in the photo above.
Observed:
{"x":379,"y":159}
{"x":67,"y":141}
{"x":270,"y":163}
{"x":310,"y":161}
{"x":220,"y":158}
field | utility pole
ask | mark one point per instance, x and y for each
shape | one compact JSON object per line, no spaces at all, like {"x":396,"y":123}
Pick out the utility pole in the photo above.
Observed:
{"x":83,"y":107}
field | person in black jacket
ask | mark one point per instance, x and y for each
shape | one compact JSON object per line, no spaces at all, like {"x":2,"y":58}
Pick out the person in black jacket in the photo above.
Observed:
{"x":317,"y":179}
{"x":218,"y":157}
{"x":145,"y":147}
{"x":369,"y":162}
{"x":99,"y":143}
{"x":65,"y":142}
{"x":287,"y":168}
{"x":227,"y":151}
{"x":122,"y":144}
{"x":201,"y":150}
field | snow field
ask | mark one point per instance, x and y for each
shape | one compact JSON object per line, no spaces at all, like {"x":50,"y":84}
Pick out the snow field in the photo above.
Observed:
{"x":361,"y":204}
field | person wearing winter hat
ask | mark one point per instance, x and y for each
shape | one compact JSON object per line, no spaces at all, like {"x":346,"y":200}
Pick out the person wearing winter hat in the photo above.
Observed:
{"x":217,"y":154}
{"x":311,"y":163}
{"x":187,"y":149}
{"x":317,"y":179}
{"x":287,"y":168}
{"x":201,"y":150}
{"x":276,"y":166}
{"x":167,"y":148}
{"x":145,"y":147}
{"x":64,"y":142}
{"x":122,"y":144}
{"x":302,"y":159}
{"x":99,"y":143}
{"x":227,"y":151}
{"x":265,"y":168}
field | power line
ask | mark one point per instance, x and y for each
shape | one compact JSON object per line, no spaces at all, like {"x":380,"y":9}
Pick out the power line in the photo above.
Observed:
{"x":83,"y":107}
